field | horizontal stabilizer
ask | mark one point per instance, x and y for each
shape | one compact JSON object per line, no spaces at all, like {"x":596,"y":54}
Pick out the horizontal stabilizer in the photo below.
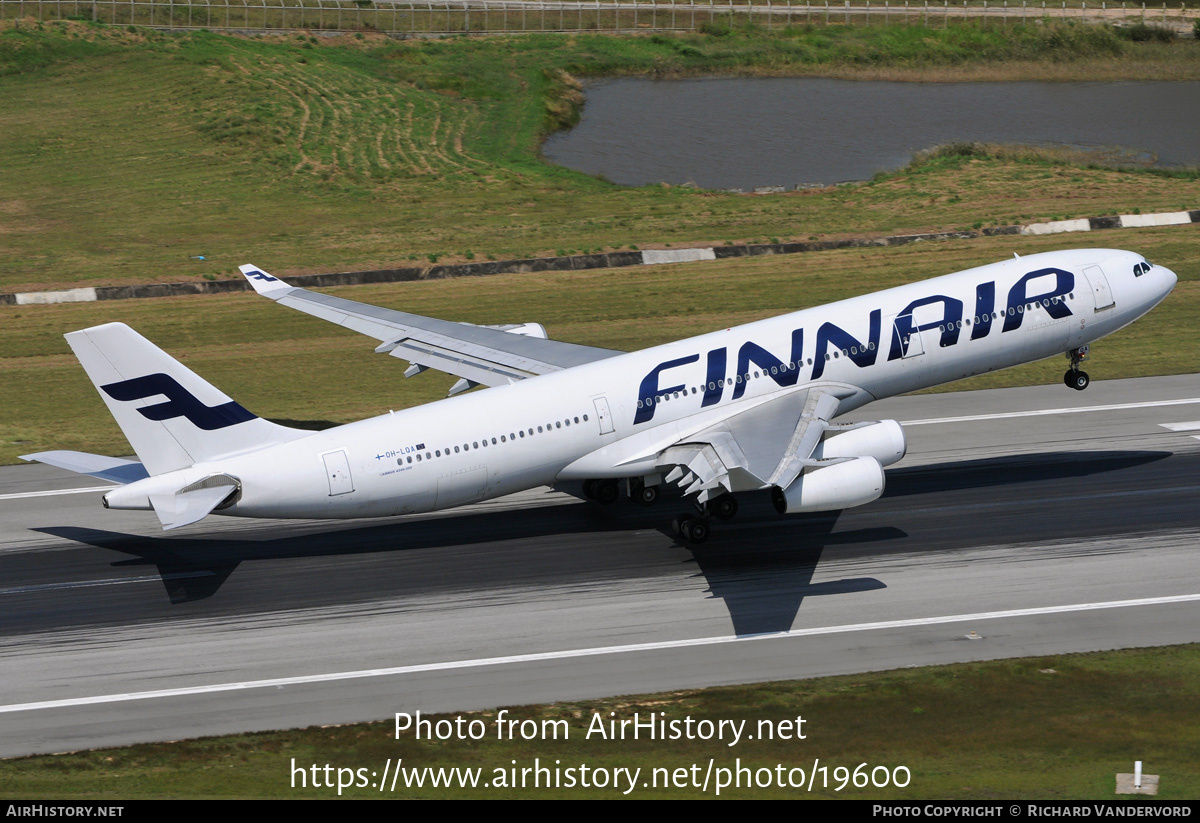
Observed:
{"x":184,"y":508}
{"x":113,"y":469}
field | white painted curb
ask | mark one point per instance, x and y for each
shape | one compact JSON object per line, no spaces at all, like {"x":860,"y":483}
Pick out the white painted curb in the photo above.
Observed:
{"x":68,"y":296}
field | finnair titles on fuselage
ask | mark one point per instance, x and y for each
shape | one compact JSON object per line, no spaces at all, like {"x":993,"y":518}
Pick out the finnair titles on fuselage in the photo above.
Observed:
{"x":742,"y":409}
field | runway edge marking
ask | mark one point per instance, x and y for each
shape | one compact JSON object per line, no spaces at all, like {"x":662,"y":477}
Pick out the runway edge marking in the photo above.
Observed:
{"x":593,"y":652}
{"x":53,"y":492}
{"x":1149,"y":404}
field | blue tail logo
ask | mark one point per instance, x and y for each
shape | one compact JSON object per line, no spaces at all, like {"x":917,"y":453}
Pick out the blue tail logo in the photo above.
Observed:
{"x":180,"y":402}
{"x":262,"y":275}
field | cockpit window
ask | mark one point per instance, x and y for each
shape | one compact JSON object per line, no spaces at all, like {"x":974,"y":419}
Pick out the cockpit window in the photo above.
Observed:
{"x":1141,"y":268}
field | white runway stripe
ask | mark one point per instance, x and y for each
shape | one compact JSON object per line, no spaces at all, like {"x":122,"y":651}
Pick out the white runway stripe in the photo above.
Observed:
{"x":1182,"y":427}
{"x":594,"y":652}
{"x":1149,"y":404}
{"x":53,"y":492}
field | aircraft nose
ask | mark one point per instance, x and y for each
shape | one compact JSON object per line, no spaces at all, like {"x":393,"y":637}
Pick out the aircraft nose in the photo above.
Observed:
{"x":1168,"y":277}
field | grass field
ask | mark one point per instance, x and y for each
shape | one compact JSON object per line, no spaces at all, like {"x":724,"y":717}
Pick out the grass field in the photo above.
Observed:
{"x":129,"y":154}
{"x":1051,"y":728}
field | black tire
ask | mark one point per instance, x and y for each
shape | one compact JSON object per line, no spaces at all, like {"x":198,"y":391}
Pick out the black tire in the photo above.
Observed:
{"x":607,"y":492}
{"x":589,"y":489}
{"x":685,"y":527}
{"x":1080,"y":381}
{"x":646,"y":495}
{"x":725,"y":507}
{"x":1067,"y":378}
{"x":699,"y":531}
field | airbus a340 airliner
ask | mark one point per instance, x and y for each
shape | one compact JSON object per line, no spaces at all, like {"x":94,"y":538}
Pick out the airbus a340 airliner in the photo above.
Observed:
{"x":743,"y":409}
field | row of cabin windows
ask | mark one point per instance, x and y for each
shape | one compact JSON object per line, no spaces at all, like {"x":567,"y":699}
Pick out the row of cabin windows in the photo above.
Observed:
{"x":483,"y":444}
{"x":996,"y":315}
{"x":853,"y":350}
{"x":743,"y":378}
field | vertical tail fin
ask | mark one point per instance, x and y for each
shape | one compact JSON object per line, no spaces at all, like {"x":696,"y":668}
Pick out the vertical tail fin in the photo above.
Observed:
{"x":171,"y":416}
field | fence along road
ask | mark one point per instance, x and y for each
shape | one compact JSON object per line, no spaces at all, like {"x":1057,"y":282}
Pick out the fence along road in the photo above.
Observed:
{"x":436,"y":17}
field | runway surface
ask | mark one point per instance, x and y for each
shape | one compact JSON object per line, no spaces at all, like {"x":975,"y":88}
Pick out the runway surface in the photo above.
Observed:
{"x":1044,"y":520}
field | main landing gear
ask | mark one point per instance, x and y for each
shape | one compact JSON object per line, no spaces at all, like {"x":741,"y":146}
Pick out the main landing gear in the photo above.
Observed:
{"x":696,"y":529}
{"x":643,"y":494}
{"x":602,"y":491}
{"x":1075,"y":378}
{"x":693,"y":528}
{"x":608,"y":491}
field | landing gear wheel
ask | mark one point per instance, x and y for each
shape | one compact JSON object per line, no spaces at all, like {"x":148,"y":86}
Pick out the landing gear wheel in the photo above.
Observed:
{"x":725,"y":507}
{"x":1074,"y":378}
{"x":607,"y":492}
{"x":646,"y":495}
{"x":691,"y":529}
{"x":683,"y":526}
{"x":589,"y":489}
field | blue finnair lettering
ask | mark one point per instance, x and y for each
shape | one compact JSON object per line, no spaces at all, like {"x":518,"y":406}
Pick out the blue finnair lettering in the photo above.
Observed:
{"x":262,"y":275}
{"x":180,"y":402}
{"x":862,"y":353}
{"x":1018,"y":295}
{"x":649,"y":391}
{"x":714,"y":384}
{"x":985,"y":304}
{"x":771,"y":365}
{"x":949,"y":321}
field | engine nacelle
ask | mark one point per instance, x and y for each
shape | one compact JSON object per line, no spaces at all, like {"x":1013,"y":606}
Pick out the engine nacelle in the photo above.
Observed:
{"x":830,"y":488}
{"x":884,"y":441}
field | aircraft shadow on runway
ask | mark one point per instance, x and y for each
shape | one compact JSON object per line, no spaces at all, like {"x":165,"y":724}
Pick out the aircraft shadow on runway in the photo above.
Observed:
{"x":1013,"y":469}
{"x":764,"y":581}
{"x":761,"y":565}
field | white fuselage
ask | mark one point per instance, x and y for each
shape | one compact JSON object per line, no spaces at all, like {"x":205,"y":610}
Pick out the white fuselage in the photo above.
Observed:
{"x":610,"y":418}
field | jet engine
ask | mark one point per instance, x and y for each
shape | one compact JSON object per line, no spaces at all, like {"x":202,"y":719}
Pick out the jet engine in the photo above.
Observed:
{"x":837,"y":486}
{"x":883,"y":440}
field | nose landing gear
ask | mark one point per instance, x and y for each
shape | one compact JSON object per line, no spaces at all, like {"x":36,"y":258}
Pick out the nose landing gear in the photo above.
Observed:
{"x":1076,"y":378}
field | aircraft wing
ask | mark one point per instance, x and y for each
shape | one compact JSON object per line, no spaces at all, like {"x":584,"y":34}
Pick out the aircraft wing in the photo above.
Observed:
{"x":479,"y":355}
{"x":768,"y":445}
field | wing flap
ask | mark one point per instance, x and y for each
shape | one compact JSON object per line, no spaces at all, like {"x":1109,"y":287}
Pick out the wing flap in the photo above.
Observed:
{"x":747,"y":451}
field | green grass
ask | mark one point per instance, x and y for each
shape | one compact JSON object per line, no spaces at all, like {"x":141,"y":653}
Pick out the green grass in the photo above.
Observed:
{"x":282,"y":364}
{"x":1051,"y":728}
{"x":127,"y":155}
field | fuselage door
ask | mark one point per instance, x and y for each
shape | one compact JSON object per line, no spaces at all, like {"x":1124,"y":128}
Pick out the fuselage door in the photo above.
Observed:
{"x":904,"y":329}
{"x":337,"y":468}
{"x":1100,"y":288}
{"x":603,"y":415}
